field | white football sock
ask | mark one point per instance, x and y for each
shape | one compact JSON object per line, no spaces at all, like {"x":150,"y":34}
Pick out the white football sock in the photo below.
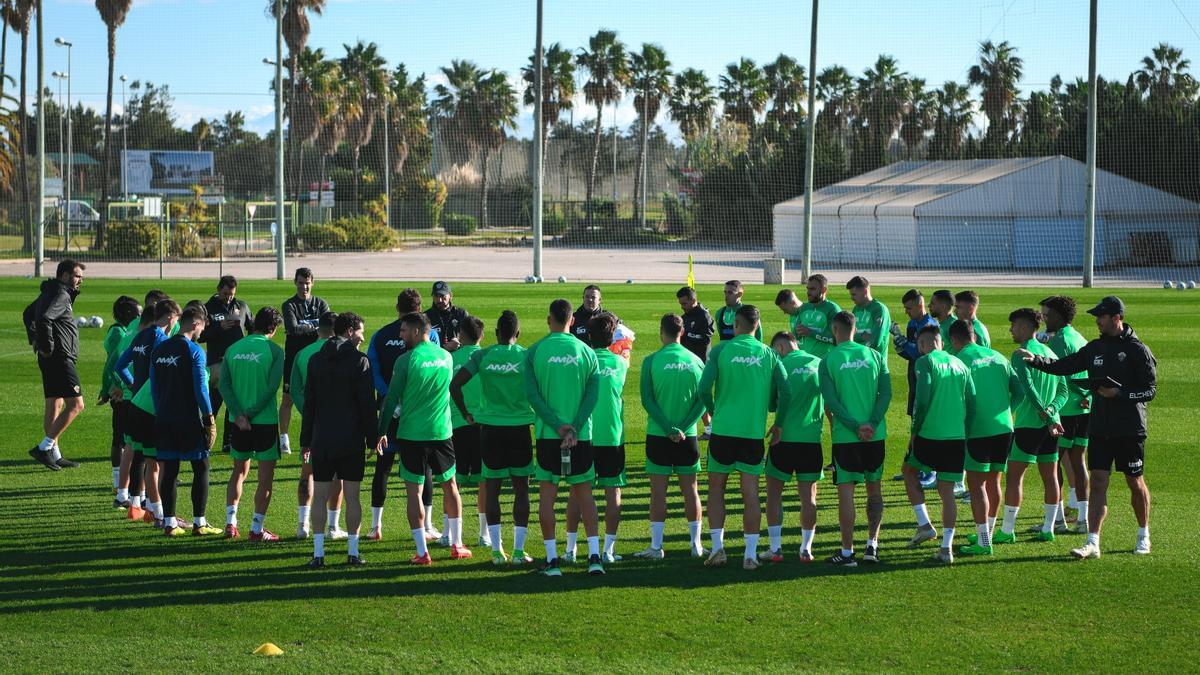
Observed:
{"x":1143,"y":532}
{"x":319,"y":545}
{"x":572,"y":541}
{"x":1071,"y":500}
{"x":775,"y":535}
{"x":1093,"y":538}
{"x":429,"y":518}
{"x":610,"y":542}
{"x":694,"y":534}
{"x":352,"y":543}
{"x":455,"y":527}
{"x":483,"y":529}
{"x":156,"y":509}
{"x":752,"y":546}
{"x":284,"y":441}
{"x":256,"y":524}
{"x":199,"y":521}
{"x":46,"y":444}
{"x":1051,"y":512}
{"x":376,"y":517}
{"x":519,"y":534}
{"x":123,"y":494}
{"x":991,"y":523}
{"x":116,"y":472}
{"x":551,"y":549}
{"x":494,"y":536}
{"x":983,"y":534}
{"x":418,"y":536}
{"x":717,"y":534}
{"x":656,"y":535}
{"x":231,"y":515}
{"x":331,"y":520}
{"x":807,"y":539}
{"x":1010,"y":519}
{"x":947,"y":537}
{"x":1083,"y":510}
{"x":922,"y":514}
{"x":304,"y":511}
{"x":169,"y":523}
{"x":593,"y":544}
{"x":873,"y":543}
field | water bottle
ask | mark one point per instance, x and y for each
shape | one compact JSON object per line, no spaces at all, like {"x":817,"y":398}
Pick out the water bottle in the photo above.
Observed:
{"x":565,"y":459}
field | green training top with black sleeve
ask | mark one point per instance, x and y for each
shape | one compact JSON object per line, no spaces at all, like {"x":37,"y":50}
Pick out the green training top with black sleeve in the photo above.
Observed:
{"x":817,"y":317}
{"x":500,"y":370}
{"x":857,"y":389}
{"x":1064,"y":342}
{"x":459,"y":358}
{"x":945,"y":400}
{"x":112,"y":342}
{"x":251,"y":373}
{"x":1043,"y":392}
{"x":670,"y":391}
{"x":806,"y":411}
{"x":299,"y":374}
{"x":725,"y":323}
{"x":125,"y":343}
{"x":608,"y":419}
{"x":982,"y":337}
{"x":996,"y":390}
{"x":872,"y":321}
{"x":749,"y":382}
{"x":562,"y":382}
{"x":420,"y":387}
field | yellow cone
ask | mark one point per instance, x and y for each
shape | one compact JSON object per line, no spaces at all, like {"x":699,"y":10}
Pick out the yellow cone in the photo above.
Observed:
{"x":268,"y":649}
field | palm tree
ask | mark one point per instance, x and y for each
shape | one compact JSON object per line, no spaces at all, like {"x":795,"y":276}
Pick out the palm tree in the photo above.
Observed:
{"x":744,"y":91}
{"x":786,"y":88}
{"x":997,"y":73}
{"x":296,"y":29}
{"x":112,"y":13}
{"x":6,"y":9}
{"x":691,"y":105}
{"x":650,"y":73}
{"x":407,"y":116}
{"x":366,"y":80}
{"x":558,"y":87}
{"x":952,"y":118}
{"x":19,"y":18}
{"x":316,"y":97}
{"x":201,"y":131}
{"x":835,"y":87}
{"x":608,"y":73}
{"x":921,"y":111}
{"x":1163,"y":77}
{"x":883,"y":94}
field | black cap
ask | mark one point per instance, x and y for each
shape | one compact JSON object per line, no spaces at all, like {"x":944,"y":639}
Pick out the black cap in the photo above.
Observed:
{"x":441,"y":288}
{"x":1109,"y":304}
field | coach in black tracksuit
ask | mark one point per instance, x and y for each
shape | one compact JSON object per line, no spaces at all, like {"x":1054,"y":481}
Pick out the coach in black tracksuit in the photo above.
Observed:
{"x":444,"y":317}
{"x":50,"y":325}
{"x":1117,"y":431}
{"x":229,"y":320}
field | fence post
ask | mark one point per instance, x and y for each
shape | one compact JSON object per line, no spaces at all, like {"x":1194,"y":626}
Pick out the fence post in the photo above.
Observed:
{"x":538,"y":150}
{"x":220,"y":246}
{"x":162,"y":227}
{"x":810,"y":150}
{"x":1089,"y":217}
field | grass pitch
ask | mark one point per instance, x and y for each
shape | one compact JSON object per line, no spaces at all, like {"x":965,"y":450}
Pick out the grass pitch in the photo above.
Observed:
{"x":83,"y":590}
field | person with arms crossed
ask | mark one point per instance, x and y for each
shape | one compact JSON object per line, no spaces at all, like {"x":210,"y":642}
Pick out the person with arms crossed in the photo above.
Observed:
{"x":467,"y":462}
{"x":906,"y":348}
{"x":809,"y":322}
{"x":229,"y":320}
{"x":338,"y":427}
{"x":698,"y":331}
{"x":1059,"y":312}
{"x":591,"y":307}
{"x":726,"y":316}
{"x":301,"y":314}
{"x":50,"y":327}
{"x":1122,"y":374}
{"x":872,"y":320}
{"x":125,"y":315}
{"x":445,"y":319}
{"x":304,"y":489}
{"x":748,"y":379}
{"x":857,"y":389}
{"x":251,"y":374}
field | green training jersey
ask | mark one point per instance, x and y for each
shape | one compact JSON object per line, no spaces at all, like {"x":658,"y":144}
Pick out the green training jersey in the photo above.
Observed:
{"x":857,"y":389}
{"x":945,"y":397}
{"x":299,"y":373}
{"x":112,"y":351}
{"x":806,"y":411}
{"x":996,"y":389}
{"x":125,"y":343}
{"x":872,"y":321}
{"x":420,"y":389}
{"x":749,"y":382}
{"x":500,"y":370}
{"x":562,"y":381}
{"x":670,"y":391}
{"x":459,"y":358}
{"x":982,"y":338}
{"x":608,"y":419}
{"x":251,"y":373}
{"x":725,"y":323}
{"x":818,"y":318}
{"x":1043,"y":392}
{"x":1065,"y":342}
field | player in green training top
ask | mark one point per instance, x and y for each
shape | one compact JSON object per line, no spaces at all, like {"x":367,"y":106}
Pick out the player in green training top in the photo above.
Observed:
{"x":945,"y":406}
{"x":251,"y":374}
{"x":503,"y":415}
{"x":749,"y":381}
{"x":419,"y":399}
{"x":1059,"y":312}
{"x":670,"y":384}
{"x":725,"y":316}
{"x":872,"y":320}
{"x":467,"y":462}
{"x":1037,"y":427}
{"x":797,"y":452}
{"x":562,"y":381}
{"x":857,"y":389}
{"x":304,"y":489}
{"x":966,"y":304}
{"x":809,"y":322}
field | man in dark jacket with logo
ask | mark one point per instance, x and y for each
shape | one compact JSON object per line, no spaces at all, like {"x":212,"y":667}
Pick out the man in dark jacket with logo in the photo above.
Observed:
{"x":229,"y":320}
{"x":55,"y":338}
{"x":444,"y":317}
{"x":1121,"y":372}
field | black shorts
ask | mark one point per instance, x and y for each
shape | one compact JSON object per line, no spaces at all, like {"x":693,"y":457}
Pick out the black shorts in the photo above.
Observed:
{"x":943,"y":456}
{"x":467,"y":459}
{"x":793,"y":458}
{"x":858,"y":461}
{"x":664,"y":456}
{"x":506,"y":451}
{"x":120,"y":411}
{"x":140,"y":426}
{"x":415,"y":456}
{"x":59,"y":377}
{"x":727,"y":454}
{"x":989,"y":453}
{"x":1127,"y":452}
{"x":1034,"y":443}
{"x":609,"y":460}
{"x":549,"y":461}
{"x":1075,"y":427}
{"x":349,"y":467}
{"x":260,"y":438}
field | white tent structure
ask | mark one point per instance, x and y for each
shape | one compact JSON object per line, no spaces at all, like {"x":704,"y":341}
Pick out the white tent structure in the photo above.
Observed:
{"x":1020,"y":213}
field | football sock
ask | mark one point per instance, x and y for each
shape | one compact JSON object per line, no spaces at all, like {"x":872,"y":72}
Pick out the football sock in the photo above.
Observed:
{"x":947,"y":537}
{"x":332,"y":519}
{"x":656,"y":535}
{"x":418,"y":536}
{"x":593,"y":544}
{"x":1051,"y":512}
{"x":806,"y":539}
{"x":494,"y":535}
{"x":922,"y":514}
{"x":256,"y":524}
{"x":519,"y":534}
{"x":1010,"y":519}
{"x":694,"y":534}
{"x":752,"y":546}
{"x":717,"y":534}
{"x":775,"y":534}
{"x":376,"y":517}
{"x":983,"y":534}
{"x":572,"y":540}
{"x":231,"y":514}
{"x":610,"y":542}
{"x":551,"y":549}
{"x":352,"y":543}
{"x":304,"y":511}
{"x":319,"y":545}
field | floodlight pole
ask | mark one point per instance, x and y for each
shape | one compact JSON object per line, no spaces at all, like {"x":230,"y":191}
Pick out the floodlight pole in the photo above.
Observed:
{"x":1089,"y":215}
{"x":387,"y":165}
{"x":539,"y":130}
{"x":810,"y":149}
{"x":40,"y":245}
{"x":280,"y":216}
{"x":124,"y":142}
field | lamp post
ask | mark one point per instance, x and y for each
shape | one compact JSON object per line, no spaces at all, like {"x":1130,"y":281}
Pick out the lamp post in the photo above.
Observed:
{"x":124,"y":142}
{"x":70,"y":161}
{"x":280,"y":217}
{"x":61,"y":155}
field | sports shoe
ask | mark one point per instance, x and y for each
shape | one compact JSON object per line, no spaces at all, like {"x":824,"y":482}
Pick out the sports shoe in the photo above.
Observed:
{"x":519,"y":557}
{"x":301,"y":533}
{"x":1071,"y":515}
{"x":871,"y":555}
{"x":842,"y":560}
{"x":1060,"y":527}
{"x":650,"y":553}
{"x":336,"y":534}
{"x":1143,"y":546}
{"x":1043,"y":536}
{"x":499,"y":559}
{"x":135,"y":513}
{"x":1002,"y":537}
{"x":148,"y":516}
{"x":355,"y":561}
{"x":285,"y":446}
{"x":716,"y":559}
{"x":750,"y":564}
{"x":699,"y":552}
{"x":960,"y":490}
{"x":376,"y":534}
{"x":443,"y":540}
{"x":1080,"y":527}
{"x":928,"y":479}
{"x":595,"y":568}
{"x":317,"y":563}
{"x":551,"y":569}
{"x":120,"y":505}
{"x":176,"y":531}
{"x":1086,"y":551}
{"x":432,"y":534}
{"x":43,"y":457}
{"x":204,"y":531}
{"x":421,"y":559}
{"x":975,"y":549}
{"x":567,"y":557}
{"x":806,"y":556}
{"x":64,"y":463}
{"x":231,"y":532}
{"x":610,"y":558}
{"x":899,"y":476}
{"x":158,"y":523}
{"x":460,"y":552}
{"x":265,"y":536}
{"x":483,"y":543}
{"x":771,"y":556}
{"x":944,"y":555}
{"x":923,"y":534}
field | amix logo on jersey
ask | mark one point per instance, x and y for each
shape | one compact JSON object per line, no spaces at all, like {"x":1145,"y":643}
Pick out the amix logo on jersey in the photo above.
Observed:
{"x":141,"y":349}
{"x":253,"y":357}
{"x":949,"y":368}
{"x":503,"y":367}
{"x":986,"y":360}
{"x":855,"y":364}
{"x":437,"y":363}
{"x":804,"y":371}
{"x":608,"y":372}
{"x":565,"y":360}
{"x":167,"y":360}
{"x":748,"y":360}
{"x":394,"y":343}
{"x":677,"y":366}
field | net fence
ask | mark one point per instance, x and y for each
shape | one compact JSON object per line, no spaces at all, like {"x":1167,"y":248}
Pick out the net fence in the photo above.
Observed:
{"x":950,"y":140}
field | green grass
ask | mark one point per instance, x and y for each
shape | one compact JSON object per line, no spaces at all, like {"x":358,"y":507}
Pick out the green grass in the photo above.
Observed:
{"x":80,"y":589}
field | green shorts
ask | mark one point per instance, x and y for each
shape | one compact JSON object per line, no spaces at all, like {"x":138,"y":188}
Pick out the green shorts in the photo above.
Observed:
{"x":609,"y":463}
{"x":1034,"y":446}
{"x":858,"y":462}
{"x":506,"y":451}
{"x":804,"y":461}
{"x":260,"y":443}
{"x":987,"y":454}
{"x":729,"y":454}
{"x":549,"y":463}
{"x":665,"y":457}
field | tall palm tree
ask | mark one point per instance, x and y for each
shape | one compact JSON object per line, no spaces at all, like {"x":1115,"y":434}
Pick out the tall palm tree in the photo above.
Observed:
{"x":296,"y":29}
{"x":691,"y":105}
{"x":6,"y":8}
{"x":650,"y":78}
{"x":997,"y":73}
{"x":112,"y":13}
{"x":883,"y":94}
{"x":920,"y":113}
{"x":607,"y":65}
{"x":744,"y":91}
{"x":835,"y":87}
{"x":366,"y":79}
{"x":1163,"y":77}
{"x":952,"y":118}
{"x":407,"y":115}
{"x":316,"y":97}
{"x":786,"y":87}
{"x":558,"y":87}
{"x":201,"y":131}
{"x":19,"y":18}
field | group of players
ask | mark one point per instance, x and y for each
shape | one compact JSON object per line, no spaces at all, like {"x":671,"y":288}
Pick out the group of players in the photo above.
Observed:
{"x":428,"y":393}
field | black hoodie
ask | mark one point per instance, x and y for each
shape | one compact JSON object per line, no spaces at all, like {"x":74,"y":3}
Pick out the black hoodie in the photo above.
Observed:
{"x":1127,"y":361}
{"x":50,"y":322}
{"x":339,"y":402}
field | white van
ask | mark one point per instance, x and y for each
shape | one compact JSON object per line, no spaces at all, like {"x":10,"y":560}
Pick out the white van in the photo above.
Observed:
{"x":82,"y":213}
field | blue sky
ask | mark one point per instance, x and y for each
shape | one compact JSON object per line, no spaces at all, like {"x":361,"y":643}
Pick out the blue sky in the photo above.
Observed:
{"x":210,"y":51}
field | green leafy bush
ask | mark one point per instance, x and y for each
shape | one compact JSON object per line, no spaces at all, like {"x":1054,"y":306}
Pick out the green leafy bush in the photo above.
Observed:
{"x":133,"y":239}
{"x":365,"y":234}
{"x":459,"y":225}
{"x":322,"y":237}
